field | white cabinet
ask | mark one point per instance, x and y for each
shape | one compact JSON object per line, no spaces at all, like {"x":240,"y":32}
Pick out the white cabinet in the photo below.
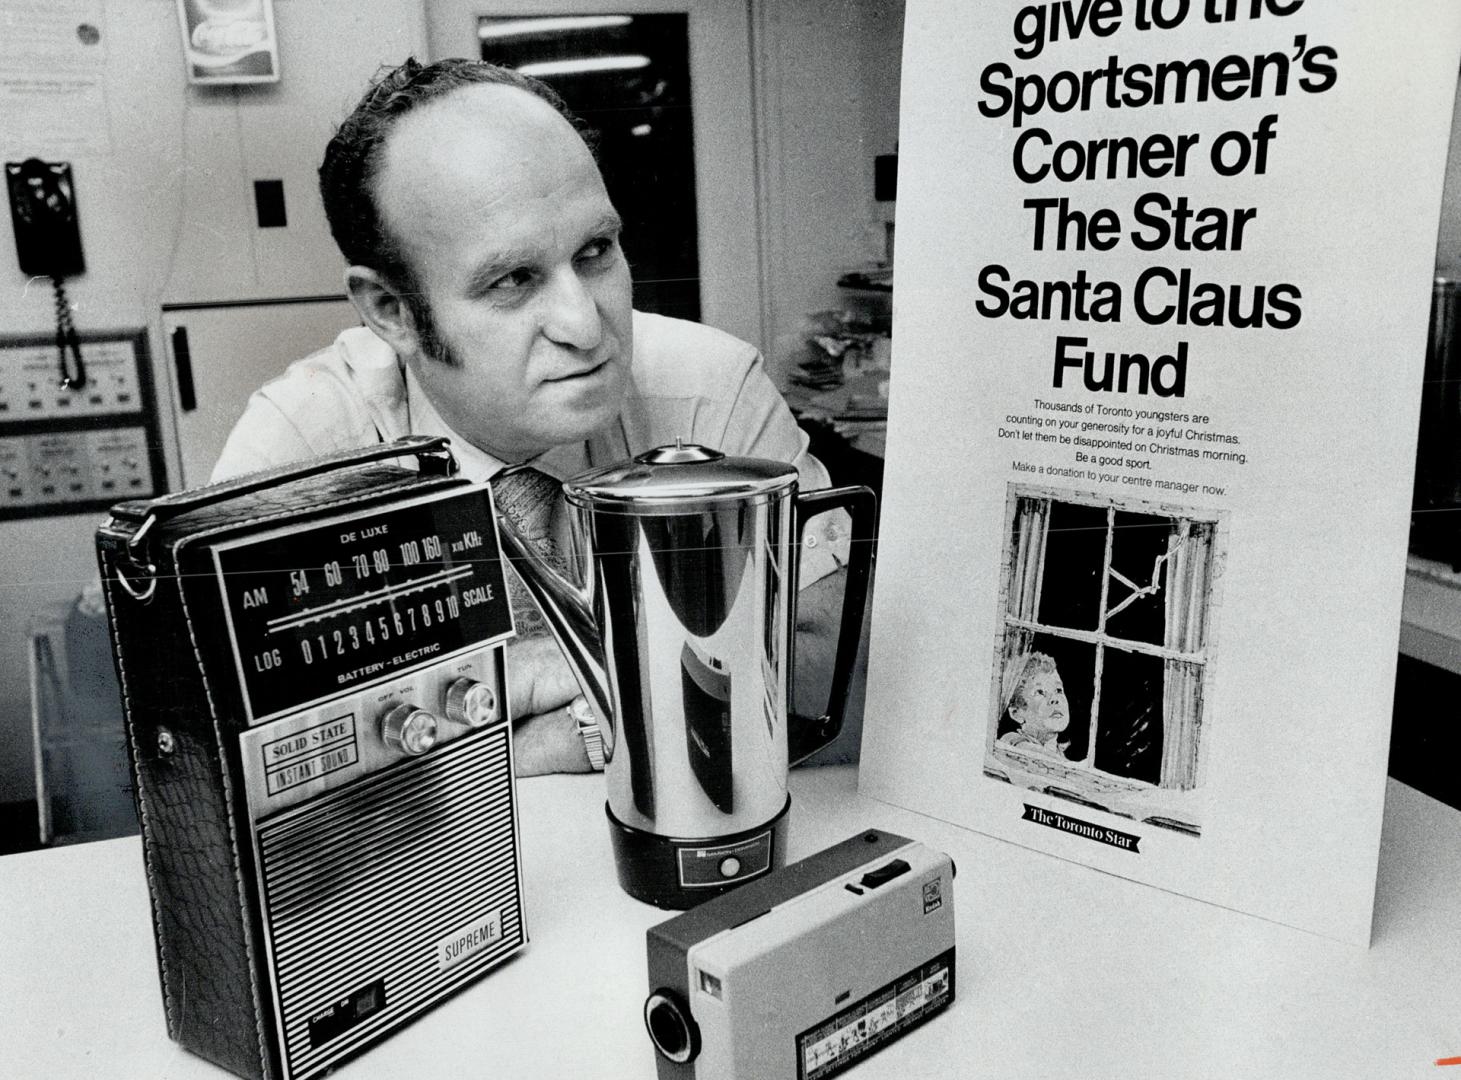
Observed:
{"x":219,"y":354}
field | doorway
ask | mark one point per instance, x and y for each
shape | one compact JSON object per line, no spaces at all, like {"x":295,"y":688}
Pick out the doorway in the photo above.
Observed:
{"x":627,"y":77}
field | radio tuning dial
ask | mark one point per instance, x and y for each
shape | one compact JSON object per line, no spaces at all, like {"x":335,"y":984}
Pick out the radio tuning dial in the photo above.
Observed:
{"x":409,"y":730}
{"x":471,"y":702}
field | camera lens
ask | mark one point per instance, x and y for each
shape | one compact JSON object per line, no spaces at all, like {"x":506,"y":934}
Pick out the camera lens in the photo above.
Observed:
{"x":670,"y":1028}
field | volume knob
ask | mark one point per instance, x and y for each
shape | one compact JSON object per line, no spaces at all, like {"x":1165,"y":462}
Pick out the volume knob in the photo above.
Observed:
{"x":471,"y":702}
{"x":408,"y":729}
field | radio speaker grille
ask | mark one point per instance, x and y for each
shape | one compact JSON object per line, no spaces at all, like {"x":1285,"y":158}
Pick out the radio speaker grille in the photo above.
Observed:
{"x":385,"y":896}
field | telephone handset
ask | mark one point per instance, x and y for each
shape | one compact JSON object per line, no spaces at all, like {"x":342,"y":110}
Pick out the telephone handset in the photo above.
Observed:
{"x":48,"y":244}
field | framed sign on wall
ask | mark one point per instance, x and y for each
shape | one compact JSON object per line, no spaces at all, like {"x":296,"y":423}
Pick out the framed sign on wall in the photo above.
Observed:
{"x":229,"y":41}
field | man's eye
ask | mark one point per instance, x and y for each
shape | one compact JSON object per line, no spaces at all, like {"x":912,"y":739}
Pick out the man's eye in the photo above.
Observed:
{"x":514,"y":279}
{"x":596,"y":249}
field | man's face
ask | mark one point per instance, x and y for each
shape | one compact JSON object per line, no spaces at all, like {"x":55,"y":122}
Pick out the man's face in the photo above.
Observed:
{"x":1045,"y":710}
{"x":501,"y":212}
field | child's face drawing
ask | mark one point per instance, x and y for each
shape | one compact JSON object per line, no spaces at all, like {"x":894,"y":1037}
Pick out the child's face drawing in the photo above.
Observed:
{"x":1045,"y":710}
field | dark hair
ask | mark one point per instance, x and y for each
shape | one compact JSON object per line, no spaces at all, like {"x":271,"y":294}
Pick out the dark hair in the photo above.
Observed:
{"x":347,"y":175}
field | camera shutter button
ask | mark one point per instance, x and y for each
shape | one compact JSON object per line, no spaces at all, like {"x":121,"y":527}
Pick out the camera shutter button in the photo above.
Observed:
{"x":884,"y":874}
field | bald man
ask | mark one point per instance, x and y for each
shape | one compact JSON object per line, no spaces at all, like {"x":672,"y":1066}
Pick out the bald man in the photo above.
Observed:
{"x":485,"y":263}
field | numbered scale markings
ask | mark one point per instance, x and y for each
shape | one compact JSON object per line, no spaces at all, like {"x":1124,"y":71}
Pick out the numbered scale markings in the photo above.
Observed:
{"x":337,"y":605}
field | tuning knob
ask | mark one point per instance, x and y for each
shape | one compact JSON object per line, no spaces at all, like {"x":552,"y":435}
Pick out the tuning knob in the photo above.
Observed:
{"x":471,"y":702}
{"x":409,"y":729}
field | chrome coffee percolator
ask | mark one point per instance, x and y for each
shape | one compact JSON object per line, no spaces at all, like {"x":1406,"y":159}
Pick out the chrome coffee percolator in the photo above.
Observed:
{"x":679,"y":628}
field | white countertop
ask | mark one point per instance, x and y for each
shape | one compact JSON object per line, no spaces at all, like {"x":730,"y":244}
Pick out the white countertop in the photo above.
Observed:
{"x":1430,"y":624}
{"x":1061,"y":971}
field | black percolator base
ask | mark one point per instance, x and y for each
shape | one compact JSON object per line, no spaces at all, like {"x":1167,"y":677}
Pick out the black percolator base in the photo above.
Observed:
{"x":676,"y":872}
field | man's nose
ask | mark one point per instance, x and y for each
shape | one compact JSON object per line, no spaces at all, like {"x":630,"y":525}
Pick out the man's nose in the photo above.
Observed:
{"x":572,"y":317}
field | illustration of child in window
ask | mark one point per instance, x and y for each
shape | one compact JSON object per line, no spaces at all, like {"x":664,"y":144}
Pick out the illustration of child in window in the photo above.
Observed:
{"x":1037,"y":706}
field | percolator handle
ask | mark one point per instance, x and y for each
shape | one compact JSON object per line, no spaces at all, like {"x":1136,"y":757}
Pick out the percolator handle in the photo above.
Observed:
{"x":806,"y":735}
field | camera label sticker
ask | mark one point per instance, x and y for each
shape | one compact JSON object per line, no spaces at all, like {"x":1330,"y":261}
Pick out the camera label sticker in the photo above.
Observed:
{"x":933,"y":895}
{"x":866,"y":1026}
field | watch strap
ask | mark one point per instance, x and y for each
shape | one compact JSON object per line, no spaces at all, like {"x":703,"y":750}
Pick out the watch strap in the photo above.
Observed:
{"x":588,"y":731}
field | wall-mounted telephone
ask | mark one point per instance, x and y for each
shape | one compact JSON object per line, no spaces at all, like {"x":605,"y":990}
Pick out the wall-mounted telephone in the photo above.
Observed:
{"x":48,"y":244}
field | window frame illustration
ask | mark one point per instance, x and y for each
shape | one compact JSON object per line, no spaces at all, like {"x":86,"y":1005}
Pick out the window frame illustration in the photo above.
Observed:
{"x":1186,"y":579}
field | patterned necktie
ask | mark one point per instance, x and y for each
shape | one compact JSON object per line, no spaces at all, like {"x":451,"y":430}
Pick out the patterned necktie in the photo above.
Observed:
{"x":528,"y":497}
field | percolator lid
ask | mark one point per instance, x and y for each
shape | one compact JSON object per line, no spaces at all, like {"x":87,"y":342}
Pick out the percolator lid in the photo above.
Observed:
{"x":679,"y":472}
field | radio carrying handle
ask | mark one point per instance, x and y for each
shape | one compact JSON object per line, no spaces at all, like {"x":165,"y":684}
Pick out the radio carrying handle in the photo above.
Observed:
{"x":433,"y":453}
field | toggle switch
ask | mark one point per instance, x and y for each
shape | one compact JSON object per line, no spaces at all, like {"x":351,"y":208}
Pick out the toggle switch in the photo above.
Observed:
{"x":409,"y":730}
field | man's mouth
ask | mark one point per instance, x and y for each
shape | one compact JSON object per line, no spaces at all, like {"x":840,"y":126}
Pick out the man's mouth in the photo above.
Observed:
{"x":580,"y":373}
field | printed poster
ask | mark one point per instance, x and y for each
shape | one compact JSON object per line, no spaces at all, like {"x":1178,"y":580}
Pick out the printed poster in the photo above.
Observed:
{"x":1164,"y":271}
{"x":53,"y":56}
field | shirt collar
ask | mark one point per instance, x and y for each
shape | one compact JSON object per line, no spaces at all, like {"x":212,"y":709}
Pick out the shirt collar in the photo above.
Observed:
{"x":375,"y":372}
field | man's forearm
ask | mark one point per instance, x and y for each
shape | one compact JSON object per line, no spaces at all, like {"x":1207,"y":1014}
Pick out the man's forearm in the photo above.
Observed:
{"x":548,"y":743}
{"x":538,"y":678}
{"x":545,"y":738}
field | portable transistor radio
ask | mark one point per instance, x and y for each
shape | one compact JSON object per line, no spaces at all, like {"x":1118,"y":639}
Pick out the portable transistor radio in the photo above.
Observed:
{"x":313,"y":677}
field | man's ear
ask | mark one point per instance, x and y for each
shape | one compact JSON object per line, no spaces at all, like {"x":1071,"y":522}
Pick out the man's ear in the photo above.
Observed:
{"x":382,"y":308}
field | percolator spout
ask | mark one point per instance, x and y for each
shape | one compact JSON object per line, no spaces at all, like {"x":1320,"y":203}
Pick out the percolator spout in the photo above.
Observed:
{"x":570,"y":619}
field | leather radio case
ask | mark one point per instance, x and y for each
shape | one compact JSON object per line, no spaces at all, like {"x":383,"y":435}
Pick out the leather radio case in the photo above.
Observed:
{"x":182,"y":706}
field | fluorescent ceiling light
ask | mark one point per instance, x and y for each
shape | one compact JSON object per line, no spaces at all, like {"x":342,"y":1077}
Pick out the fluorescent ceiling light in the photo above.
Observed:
{"x":584,"y":65}
{"x":527,"y":27}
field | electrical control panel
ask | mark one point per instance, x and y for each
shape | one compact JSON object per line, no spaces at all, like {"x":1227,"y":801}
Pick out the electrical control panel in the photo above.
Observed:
{"x":70,"y":450}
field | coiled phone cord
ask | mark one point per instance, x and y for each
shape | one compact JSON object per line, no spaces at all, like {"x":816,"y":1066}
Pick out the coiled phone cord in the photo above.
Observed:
{"x":72,"y":378}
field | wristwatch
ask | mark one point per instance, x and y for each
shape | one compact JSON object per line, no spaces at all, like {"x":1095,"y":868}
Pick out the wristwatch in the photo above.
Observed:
{"x":588,"y":731}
